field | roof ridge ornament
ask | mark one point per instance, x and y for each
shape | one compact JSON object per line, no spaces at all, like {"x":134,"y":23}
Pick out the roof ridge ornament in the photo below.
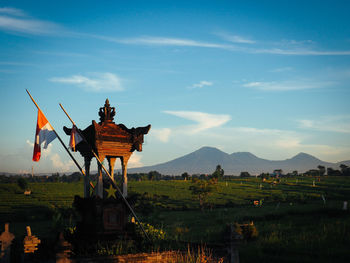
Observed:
{"x":106,"y":113}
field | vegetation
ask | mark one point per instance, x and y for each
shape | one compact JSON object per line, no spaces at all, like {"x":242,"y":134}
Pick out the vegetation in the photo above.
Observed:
{"x":22,"y":183}
{"x":201,"y":189}
{"x":297,"y":216}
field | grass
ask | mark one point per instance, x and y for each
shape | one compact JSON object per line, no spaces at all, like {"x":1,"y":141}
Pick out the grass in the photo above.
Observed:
{"x":294,"y":222}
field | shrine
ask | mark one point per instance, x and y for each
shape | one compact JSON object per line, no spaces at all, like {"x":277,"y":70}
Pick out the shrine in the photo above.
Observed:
{"x":109,"y":141}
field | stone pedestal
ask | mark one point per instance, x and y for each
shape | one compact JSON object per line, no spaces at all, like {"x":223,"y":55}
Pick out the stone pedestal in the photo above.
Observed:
{"x":6,"y":240}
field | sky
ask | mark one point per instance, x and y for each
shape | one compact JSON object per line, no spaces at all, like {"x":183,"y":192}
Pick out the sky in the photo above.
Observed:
{"x":266,"y":77}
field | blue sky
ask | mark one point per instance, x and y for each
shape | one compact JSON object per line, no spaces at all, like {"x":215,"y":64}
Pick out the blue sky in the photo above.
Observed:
{"x":269,"y":77}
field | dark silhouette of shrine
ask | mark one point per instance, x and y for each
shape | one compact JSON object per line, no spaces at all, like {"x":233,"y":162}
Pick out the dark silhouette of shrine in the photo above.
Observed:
{"x":109,"y":141}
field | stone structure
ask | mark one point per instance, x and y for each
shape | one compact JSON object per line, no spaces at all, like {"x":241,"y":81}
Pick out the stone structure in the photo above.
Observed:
{"x":109,"y":141}
{"x":5,"y":241}
{"x":30,"y":242}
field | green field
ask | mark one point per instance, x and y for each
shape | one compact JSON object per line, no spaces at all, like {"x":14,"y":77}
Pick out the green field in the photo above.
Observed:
{"x":297,"y":222}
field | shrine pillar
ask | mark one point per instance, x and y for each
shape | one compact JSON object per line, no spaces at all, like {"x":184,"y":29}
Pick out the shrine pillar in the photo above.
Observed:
{"x":124,"y":162}
{"x":87,"y":161}
{"x":111,"y":162}
{"x":99,"y":186}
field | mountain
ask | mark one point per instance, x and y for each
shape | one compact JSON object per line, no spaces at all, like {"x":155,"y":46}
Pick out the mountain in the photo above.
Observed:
{"x":205,"y":160}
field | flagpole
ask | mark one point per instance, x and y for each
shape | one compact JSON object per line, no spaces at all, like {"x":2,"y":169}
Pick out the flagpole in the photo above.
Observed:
{"x":110,"y":177}
{"x":59,"y":138}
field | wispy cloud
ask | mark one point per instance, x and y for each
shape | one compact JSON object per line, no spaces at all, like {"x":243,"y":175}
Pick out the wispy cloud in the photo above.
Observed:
{"x":283,"y":69}
{"x":55,"y":159}
{"x":12,"y":11}
{"x":201,"y":84}
{"x":296,"y":49}
{"x":166,"y":41}
{"x":286,"y":85}
{"x":340,"y":124}
{"x":270,"y":143}
{"x":135,"y":160}
{"x":12,"y":19}
{"x":161,"y":134}
{"x":61,"y":54}
{"x":235,"y":38}
{"x":59,"y":164}
{"x":204,"y":120}
{"x":300,"y":52}
{"x":97,"y":82}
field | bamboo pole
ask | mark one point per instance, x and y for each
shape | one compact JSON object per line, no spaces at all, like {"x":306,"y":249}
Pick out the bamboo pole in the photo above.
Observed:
{"x":104,"y":168}
{"x":59,"y":138}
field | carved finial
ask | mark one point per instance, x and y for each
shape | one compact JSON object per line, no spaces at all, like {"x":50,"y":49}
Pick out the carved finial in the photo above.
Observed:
{"x":106,"y":113}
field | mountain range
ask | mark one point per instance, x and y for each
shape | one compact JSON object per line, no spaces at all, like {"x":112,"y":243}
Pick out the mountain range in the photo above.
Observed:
{"x":205,"y":160}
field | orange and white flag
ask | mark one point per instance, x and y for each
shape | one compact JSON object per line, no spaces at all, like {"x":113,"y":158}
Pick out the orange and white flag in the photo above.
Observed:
{"x":74,"y":138}
{"x":44,"y":134}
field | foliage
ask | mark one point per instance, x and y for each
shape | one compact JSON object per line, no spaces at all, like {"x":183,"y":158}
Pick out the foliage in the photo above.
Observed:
{"x":202,"y":255}
{"x":185,"y":176}
{"x":155,"y":237}
{"x":322,"y":170}
{"x":112,"y":248}
{"x":332,"y":172}
{"x":201,"y":189}
{"x":292,"y":222}
{"x":247,"y":231}
{"x":154,"y":175}
{"x":345,"y":169}
{"x":219,"y":172}
{"x":244,"y":174}
{"x":22,"y":183}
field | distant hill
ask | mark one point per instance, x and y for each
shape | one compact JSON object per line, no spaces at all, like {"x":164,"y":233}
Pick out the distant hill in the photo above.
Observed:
{"x":204,"y":161}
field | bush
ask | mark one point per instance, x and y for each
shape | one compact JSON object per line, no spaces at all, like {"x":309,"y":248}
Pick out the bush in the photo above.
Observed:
{"x":22,"y":183}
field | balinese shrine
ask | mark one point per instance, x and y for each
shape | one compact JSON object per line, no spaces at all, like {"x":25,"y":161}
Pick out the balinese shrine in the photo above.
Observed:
{"x":104,"y":212}
{"x":109,"y":141}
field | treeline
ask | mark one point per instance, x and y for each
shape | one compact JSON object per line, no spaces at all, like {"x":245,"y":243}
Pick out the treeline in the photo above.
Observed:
{"x":55,"y":177}
{"x":155,"y":175}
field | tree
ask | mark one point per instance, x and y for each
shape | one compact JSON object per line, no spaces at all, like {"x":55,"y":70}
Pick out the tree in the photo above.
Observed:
{"x":332,"y":172}
{"x":322,"y":170}
{"x":345,"y":169}
{"x":55,"y":177}
{"x":219,"y":172}
{"x":185,"y":176}
{"x":201,"y":189}
{"x":22,"y":183}
{"x":244,"y":174}
{"x":295,"y":173}
{"x":154,"y":175}
{"x":312,"y":172}
{"x":277,"y":172}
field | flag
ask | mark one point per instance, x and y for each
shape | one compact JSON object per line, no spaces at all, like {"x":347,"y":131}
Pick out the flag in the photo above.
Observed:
{"x":44,"y":134}
{"x":74,"y":138}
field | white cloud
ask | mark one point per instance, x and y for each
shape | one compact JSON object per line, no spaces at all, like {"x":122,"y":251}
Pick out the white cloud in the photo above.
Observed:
{"x":204,"y":120}
{"x":293,"y":48}
{"x":235,"y":38}
{"x":340,"y":124}
{"x":135,"y":160}
{"x":98,"y":82}
{"x":11,"y":11}
{"x":201,"y":84}
{"x":59,"y":164}
{"x":166,"y":41}
{"x":300,"y":52}
{"x":274,"y":143}
{"x":49,"y":160}
{"x":161,"y":134}
{"x":12,"y":19}
{"x":286,"y":85}
{"x":31,"y":144}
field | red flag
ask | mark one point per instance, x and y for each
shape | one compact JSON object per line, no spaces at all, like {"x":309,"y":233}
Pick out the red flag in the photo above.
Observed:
{"x":74,"y":138}
{"x":44,"y":133}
